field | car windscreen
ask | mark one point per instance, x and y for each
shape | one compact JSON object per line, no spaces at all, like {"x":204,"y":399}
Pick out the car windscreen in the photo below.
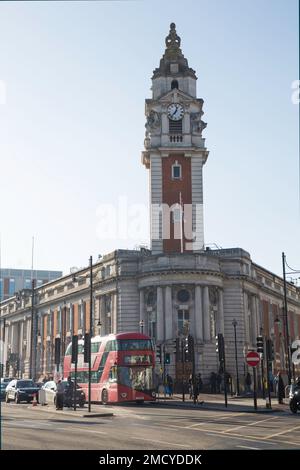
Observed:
{"x":25,"y":384}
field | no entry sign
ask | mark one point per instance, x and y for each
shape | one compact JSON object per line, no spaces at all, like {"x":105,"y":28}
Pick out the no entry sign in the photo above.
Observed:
{"x":252,"y":358}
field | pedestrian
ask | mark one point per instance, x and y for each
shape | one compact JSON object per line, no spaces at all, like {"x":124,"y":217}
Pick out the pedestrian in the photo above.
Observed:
{"x":199,"y":382}
{"x":248,"y":382}
{"x":70,"y":391}
{"x":59,"y":395}
{"x":169,"y":385}
{"x":213,"y":382}
{"x":280,"y":389}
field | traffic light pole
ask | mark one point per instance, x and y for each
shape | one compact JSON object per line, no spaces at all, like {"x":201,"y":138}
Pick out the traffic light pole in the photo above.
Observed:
{"x":268,"y":376}
{"x":182,"y":358}
{"x":262,"y":376}
{"x":254,"y":388}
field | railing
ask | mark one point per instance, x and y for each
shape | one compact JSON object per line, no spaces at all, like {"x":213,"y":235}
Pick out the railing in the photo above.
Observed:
{"x":176,"y":138}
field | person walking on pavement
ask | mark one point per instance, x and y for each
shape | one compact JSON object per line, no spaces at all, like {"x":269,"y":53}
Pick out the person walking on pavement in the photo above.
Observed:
{"x":170,"y":385}
{"x":280,"y":389}
{"x":248,"y":382}
{"x":59,"y":395}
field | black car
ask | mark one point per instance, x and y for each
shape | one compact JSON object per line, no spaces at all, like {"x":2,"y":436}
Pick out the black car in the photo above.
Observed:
{"x":3,"y":386}
{"x":21,"y":390}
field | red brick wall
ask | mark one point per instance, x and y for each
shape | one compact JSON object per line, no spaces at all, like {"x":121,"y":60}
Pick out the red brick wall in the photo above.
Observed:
{"x":170,"y":193}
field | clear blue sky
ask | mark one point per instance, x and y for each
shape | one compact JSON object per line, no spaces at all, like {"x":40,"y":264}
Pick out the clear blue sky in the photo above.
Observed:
{"x":72,"y":126}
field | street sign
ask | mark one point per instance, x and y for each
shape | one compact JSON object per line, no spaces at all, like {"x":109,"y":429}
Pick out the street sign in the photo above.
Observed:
{"x":252,"y":358}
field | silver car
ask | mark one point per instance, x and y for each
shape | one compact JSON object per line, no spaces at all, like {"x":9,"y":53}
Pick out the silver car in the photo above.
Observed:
{"x":47,"y":394}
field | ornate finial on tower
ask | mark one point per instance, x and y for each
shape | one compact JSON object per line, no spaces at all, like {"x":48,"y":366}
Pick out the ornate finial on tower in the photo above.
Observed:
{"x":173,"y":40}
{"x":173,"y":54}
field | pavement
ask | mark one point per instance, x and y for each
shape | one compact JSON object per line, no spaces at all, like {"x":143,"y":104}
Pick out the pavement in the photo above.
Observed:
{"x":244,"y":404}
{"x":238,"y":404}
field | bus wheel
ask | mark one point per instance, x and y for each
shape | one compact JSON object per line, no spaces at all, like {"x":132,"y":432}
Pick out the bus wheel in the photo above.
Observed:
{"x":104,"y":396}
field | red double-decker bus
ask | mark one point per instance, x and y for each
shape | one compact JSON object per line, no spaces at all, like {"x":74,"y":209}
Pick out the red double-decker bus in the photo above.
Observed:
{"x":122,"y":368}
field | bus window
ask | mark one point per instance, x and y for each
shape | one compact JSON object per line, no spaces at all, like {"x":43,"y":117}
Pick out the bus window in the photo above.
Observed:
{"x":134,"y":344}
{"x":110,"y":346}
{"x":113,"y":374}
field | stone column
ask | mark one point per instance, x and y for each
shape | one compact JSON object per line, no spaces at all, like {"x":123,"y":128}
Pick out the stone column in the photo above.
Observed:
{"x":206,"y":314}
{"x":143,"y":319}
{"x":14,"y":338}
{"x":198,"y":314}
{"x":220,"y":323}
{"x":168,"y":313}
{"x":254,"y":319}
{"x":246,"y":319}
{"x":114,"y":313}
{"x":160,"y":315}
{"x":102,"y":315}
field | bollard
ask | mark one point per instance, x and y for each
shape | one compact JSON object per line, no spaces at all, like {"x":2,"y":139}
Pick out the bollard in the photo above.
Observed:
{"x":34,"y":401}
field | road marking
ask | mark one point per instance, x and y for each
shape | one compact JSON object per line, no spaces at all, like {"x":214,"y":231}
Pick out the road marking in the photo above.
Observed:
{"x":248,"y":447}
{"x":160,"y":442}
{"x":246,"y":438}
{"x":283,"y":432}
{"x":248,"y":425}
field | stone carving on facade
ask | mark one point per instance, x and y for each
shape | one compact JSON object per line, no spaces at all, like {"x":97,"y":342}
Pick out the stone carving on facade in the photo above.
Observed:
{"x":213,"y":295}
{"x":152,"y":123}
{"x":197,"y":125}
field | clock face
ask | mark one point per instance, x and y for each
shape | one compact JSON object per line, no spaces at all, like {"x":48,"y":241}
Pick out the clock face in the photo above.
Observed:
{"x":175,"y":111}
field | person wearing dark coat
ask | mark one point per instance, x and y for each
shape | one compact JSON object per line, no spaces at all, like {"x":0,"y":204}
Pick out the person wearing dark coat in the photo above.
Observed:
{"x":280,"y":389}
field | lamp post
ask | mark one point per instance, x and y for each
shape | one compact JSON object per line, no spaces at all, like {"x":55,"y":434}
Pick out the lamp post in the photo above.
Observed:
{"x":234,"y":324}
{"x":32,"y":339}
{"x":91,"y":329}
{"x":142,"y":326}
{"x":286,"y":320}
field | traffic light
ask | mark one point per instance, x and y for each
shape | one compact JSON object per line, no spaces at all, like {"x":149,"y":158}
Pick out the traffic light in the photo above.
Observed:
{"x":167,"y":358}
{"x":220,"y":349}
{"x":57,"y":351}
{"x":74,"y":357}
{"x":260,"y":344}
{"x":188,"y":348}
{"x":270,"y":350}
{"x":158,"y":353}
{"x":87,"y":348}
{"x":176,"y":345}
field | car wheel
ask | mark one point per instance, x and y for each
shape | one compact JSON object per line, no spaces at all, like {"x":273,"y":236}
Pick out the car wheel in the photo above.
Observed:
{"x":81,"y":404}
{"x":7,"y":400}
{"x":17,"y":398}
{"x":293,"y":406}
{"x":104,"y":396}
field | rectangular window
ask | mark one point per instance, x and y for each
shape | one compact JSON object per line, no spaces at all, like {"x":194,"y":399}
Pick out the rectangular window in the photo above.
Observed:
{"x":1,"y":289}
{"x":176,"y":172}
{"x":39,"y":282}
{"x":58,"y":322}
{"x":27,"y":284}
{"x":175,"y":127}
{"x":11,"y":288}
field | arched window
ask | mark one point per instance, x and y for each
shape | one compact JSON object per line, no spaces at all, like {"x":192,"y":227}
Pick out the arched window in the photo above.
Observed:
{"x":174,"y":84}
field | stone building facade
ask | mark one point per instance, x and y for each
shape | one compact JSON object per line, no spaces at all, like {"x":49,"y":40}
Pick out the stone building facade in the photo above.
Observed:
{"x":176,"y":288}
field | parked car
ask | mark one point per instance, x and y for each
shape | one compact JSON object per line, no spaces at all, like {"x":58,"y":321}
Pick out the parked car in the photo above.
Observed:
{"x":47,"y":394}
{"x":21,"y":390}
{"x":6,"y":380}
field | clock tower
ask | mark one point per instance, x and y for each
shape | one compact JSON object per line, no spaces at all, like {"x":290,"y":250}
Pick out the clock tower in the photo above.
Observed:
{"x":175,"y":153}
